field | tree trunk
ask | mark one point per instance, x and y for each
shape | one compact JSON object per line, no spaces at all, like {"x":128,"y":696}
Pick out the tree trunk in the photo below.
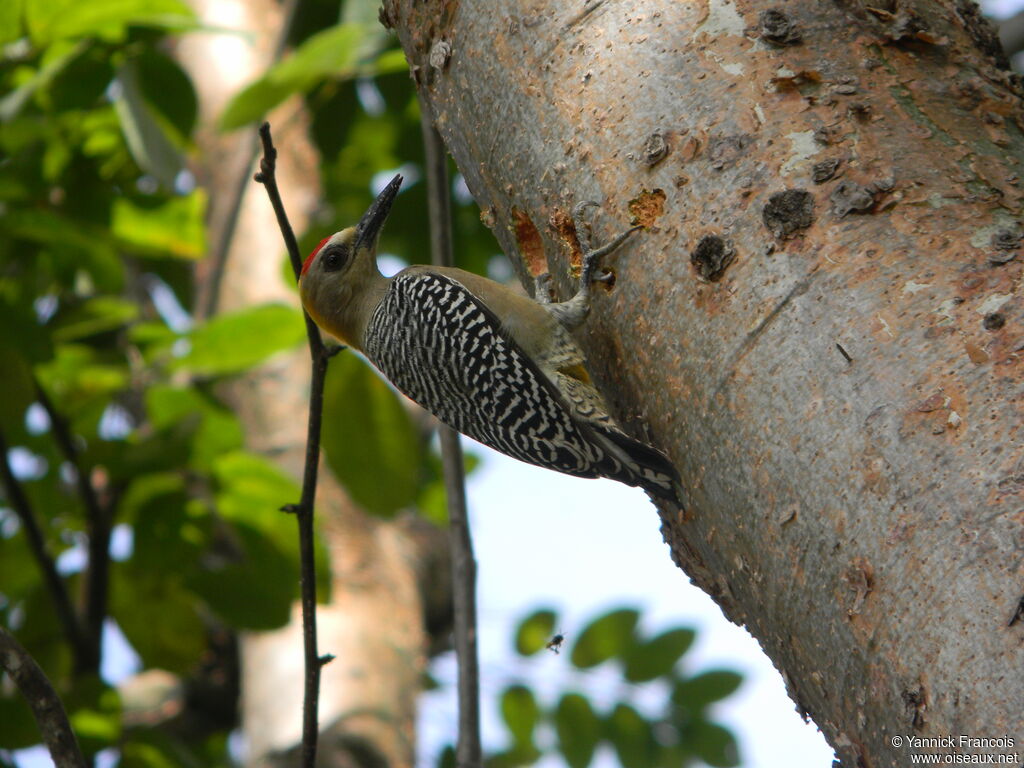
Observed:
{"x":821,"y":323}
{"x":375,"y":622}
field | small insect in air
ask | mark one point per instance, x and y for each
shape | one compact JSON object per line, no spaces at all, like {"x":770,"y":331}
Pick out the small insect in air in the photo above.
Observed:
{"x":555,"y":643}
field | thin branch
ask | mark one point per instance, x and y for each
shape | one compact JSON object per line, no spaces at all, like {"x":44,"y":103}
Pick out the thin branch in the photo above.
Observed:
{"x":467,"y":751}
{"x":19,"y":502}
{"x":246,"y":149}
{"x":46,"y":704}
{"x":98,"y":526}
{"x":304,"y":509}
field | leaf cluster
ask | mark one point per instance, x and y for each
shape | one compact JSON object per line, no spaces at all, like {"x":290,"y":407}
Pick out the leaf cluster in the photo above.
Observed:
{"x":574,"y":723}
{"x":99,"y":232}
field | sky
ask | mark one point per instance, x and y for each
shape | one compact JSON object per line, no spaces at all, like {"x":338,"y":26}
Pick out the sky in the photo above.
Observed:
{"x":584,"y":547}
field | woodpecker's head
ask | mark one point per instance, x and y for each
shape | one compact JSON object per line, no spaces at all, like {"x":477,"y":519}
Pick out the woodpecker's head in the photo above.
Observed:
{"x":340,"y":276}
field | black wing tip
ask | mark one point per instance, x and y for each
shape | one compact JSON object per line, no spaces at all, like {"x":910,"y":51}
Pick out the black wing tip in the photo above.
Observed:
{"x":646,"y":457}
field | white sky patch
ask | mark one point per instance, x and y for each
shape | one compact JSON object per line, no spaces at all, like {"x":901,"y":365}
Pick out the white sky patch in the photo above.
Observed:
{"x":390,"y":265}
{"x":1001,"y":8}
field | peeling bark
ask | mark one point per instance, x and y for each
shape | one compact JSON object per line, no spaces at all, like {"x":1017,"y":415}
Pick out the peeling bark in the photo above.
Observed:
{"x":846,"y":419}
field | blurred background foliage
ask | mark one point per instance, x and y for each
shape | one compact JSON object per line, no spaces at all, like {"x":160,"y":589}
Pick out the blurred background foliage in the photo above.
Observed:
{"x":125,"y":475}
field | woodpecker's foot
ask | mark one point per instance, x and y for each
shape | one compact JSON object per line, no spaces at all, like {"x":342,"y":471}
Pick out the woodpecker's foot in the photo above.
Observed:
{"x":573,"y":312}
{"x":542,"y":288}
{"x":592,"y":259}
{"x":330,"y":350}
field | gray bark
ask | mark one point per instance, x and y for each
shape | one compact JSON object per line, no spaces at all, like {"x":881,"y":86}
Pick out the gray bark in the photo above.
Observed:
{"x":821,"y":324}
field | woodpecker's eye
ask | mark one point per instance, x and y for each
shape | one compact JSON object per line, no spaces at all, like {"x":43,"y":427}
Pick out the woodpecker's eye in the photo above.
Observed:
{"x":334,"y":258}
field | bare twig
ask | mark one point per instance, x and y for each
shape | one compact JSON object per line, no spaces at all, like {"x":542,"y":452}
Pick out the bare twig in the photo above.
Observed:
{"x":467,"y":751}
{"x":19,"y":502}
{"x":304,"y":509}
{"x":98,"y":525}
{"x":223,"y":229}
{"x":46,"y":704}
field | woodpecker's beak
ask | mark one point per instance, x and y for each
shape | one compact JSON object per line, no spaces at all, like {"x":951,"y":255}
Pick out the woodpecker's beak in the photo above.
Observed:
{"x":373,"y":220}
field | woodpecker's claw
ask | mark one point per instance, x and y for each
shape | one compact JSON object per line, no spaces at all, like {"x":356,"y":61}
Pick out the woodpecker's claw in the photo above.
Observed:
{"x":592,"y":259}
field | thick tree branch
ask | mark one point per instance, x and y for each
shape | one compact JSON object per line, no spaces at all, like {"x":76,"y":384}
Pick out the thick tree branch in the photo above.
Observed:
{"x":860,"y":519}
{"x":468,"y":751}
{"x":19,"y":502}
{"x":304,"y":509}
{"x":46,"y":704}
{"x":98,"y":526}
{"x":224,"y":229}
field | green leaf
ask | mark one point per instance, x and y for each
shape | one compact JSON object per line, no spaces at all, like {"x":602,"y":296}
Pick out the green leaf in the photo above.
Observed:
{"x":369,"y":439}
{"x":255,"y":585}
{"x":255,"y":578}
{"x":50,"y":20}
{"x":607,"y":636}
{"x":135,"y":754}
{"x":96,"y":315}
{"x":89,"y":724}
{"x":147,"y":604}
{"x":19,"y":572}
{"x":535,"y":631}
{"x":714,"y":744}
{"x":340,"y":52}
{"x":13,"y":102}
{"x":234,"y":342}
{"x":75,"y":245}
{"x":253,"y":490}
{"x":166,"y":537}
{"x":253,"y":102}
{"x":94,"y":710}
{"x":168,"y":90}
{"x":149,"y":144}
{"x":706,"y":688}
{"x":80,"y":385}
{"x":217,"y":430}
{"x":632,"y":737}
{"x":18,"y":729}
{"x":22,"y":343}
{"x":172,"y":227}
{"x":10,"y":20}
{"x":447,"y":758}
{"x":520,"y":712}
{"x":578,"y":728}
{"x":658,"y":656}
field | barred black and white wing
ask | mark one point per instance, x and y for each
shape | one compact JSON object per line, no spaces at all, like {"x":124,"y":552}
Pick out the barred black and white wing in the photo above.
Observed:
{"x":445,"y":349}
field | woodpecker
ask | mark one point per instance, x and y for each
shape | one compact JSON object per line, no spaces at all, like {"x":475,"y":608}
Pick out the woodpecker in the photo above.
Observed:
{"x":493,"y":364}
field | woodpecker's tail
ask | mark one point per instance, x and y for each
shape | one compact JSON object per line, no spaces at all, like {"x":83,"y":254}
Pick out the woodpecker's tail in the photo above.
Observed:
{"x":635,"y":463}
